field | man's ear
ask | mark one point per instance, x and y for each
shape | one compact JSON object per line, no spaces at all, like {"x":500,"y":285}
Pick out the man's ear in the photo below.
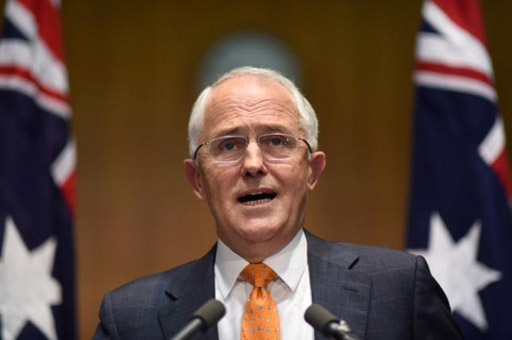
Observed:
{"x":193,"y":176}
{"x":316,"y":168}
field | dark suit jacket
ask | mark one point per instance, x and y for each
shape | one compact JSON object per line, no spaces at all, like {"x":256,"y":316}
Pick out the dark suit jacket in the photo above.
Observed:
{"x":382,"y":294}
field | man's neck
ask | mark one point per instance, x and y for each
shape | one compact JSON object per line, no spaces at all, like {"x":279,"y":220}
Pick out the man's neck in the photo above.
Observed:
{"x":258,"y":251}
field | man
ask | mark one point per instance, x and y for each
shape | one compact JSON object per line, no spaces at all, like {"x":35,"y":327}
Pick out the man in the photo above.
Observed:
{"x":254,"y":159}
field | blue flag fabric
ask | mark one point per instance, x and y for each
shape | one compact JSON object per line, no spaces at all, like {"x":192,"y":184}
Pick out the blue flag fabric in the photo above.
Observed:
{"x":37,"y":167}
{"x":459,"y":213}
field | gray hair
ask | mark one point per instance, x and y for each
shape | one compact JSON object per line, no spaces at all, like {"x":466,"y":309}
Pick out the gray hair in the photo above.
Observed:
{"x":307,"y":115}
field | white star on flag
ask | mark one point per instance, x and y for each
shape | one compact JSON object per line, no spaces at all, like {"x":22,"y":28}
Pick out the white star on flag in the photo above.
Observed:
{"x":455,"y":267}
{"x":27,"y":288}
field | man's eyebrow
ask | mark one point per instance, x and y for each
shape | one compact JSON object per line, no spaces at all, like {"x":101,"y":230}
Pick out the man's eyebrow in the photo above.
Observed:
{"x":276,"y":128}
{"x":227,"y":132}
{"x":267,"y":128}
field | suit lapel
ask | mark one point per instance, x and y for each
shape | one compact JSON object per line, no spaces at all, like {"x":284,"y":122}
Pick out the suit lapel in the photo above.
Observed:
{"x":334,"y":285}
{"x":189,"y":291}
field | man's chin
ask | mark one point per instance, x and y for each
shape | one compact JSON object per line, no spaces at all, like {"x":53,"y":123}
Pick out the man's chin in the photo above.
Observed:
{"x":261,"y":232}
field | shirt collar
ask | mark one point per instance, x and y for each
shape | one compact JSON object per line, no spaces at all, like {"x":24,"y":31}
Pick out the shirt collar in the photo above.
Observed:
{"x":289,"y":264}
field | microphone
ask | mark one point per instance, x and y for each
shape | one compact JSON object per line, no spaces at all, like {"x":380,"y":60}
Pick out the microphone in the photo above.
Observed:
{"x":206,"y":316}
{"x":328,"y":324}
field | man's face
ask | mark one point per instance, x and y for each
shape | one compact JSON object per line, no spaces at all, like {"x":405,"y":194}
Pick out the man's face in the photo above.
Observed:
{"x":255,"y":202}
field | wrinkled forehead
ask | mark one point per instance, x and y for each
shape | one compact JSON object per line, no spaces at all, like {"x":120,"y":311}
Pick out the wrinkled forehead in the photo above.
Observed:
{"x":250,"y":101}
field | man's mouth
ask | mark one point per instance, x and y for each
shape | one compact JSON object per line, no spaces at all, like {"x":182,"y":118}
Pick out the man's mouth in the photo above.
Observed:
{"x":256,"y":198}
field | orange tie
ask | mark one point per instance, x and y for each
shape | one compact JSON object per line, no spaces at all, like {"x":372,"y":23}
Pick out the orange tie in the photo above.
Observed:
{"x":261,"y":318}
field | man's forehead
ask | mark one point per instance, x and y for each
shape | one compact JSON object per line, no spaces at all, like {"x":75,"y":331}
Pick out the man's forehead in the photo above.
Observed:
{"x":249,"y":98}
{"x":250,"y":90}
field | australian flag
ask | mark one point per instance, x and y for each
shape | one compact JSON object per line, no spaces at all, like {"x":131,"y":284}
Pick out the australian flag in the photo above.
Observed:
{"x":459,"y":213}
{"x":37,"y":167}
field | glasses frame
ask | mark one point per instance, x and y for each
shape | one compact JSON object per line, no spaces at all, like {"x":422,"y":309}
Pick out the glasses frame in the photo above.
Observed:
{"x":246,"y":145}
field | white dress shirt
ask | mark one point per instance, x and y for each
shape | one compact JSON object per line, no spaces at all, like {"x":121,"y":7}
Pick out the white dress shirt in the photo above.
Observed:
{"x":291,"y":291}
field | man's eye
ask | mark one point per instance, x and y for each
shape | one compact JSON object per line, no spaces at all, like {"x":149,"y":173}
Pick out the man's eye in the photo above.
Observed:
{"x":277,"y":141}
{"x":228,"y":145}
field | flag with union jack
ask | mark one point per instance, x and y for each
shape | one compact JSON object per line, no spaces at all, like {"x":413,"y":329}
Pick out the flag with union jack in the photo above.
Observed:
{"x":37,"y":167}
{"x":459,"y":213}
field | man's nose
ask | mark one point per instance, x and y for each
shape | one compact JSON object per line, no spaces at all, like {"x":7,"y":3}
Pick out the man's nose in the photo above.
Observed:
{"x":253,"y":163}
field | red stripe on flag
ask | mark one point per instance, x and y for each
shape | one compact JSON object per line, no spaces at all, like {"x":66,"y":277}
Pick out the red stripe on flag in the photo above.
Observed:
{"x":456,"y":71}
{"x":48,"y":22}
{"x":26,"y":75}
{"x":500,"y":167}
{"x":68,"y":191}
{"x":466,"y":14}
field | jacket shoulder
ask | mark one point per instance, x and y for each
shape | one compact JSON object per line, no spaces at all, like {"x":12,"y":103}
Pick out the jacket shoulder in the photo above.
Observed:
{"x":377,"y":259}
{"x":146,"y":291}
{"x":370,"y":260}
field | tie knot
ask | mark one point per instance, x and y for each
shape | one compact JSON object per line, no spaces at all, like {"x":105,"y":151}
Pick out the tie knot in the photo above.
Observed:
{"x":258,"y":274}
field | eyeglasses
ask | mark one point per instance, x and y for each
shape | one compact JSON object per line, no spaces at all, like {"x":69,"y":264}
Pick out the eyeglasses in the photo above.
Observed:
{"x":231,"y":149}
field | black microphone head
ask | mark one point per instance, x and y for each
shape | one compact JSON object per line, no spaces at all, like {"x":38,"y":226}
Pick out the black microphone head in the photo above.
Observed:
{"x":319,"y":317}
{"x":211,"y":312}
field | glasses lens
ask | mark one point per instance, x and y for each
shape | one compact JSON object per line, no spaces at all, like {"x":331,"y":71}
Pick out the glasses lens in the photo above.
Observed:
{"x":277,"y":146}
{"x":227,"y":149}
